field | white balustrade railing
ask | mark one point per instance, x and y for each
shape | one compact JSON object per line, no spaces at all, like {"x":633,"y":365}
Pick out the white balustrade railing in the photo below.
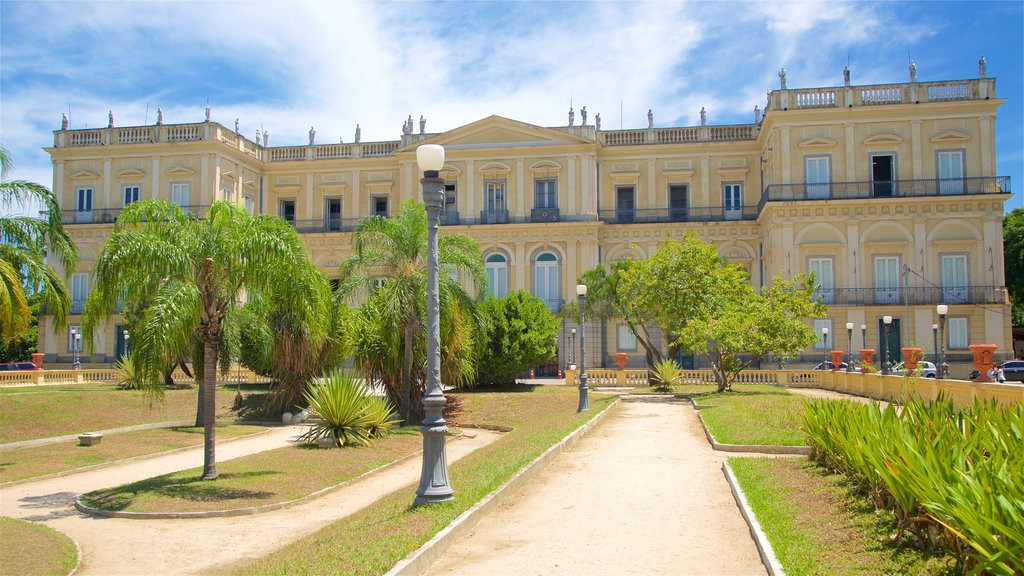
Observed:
{"x":676,"y":135}
{"x":289,"y":153}
{"x":371,"y":149}
{"x":186,"y":133}
{"x":134,"y":135}
{"x":949,"y":91}
{"x":742,"y":132}
{"x":815,"y":98}
{"x":86,"y":138}
{"x":881,"y":95}
{"x":333,"y":151}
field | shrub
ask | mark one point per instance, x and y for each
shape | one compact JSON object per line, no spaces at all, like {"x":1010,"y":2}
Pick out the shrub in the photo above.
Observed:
{"x":346,"y":411}
{"x":665,"y":375}
{"x":130,"y":375}
{"x":521,"y":334}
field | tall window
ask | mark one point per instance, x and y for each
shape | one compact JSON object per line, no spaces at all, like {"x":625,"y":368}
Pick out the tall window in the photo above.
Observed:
{"x":817,"y":176}
{"x":887,"y":279}
{"x":494,"y":196}
{"x":180,"y":193}
{"x":732,"y":196}
{"x":625,"y":204}
{"x":84,"y":200}
{"x":819,"y":327}
{"x":497,"y":275}
{"x":950,"y":171}
{"x":451,"y":199}
{"x":823,"y":273}
{"x":332,"y":214}
{"x":678,"y":202}
{"x":956,"y":328}
{"x":379,"y":205}
{"x":79,"y":291}
{"x":131,"y":194}
{"x":883,"y":174}
{"x":249,"y":205}
{"x":546,"y":194}
{"x":288,"y":211}
{"x":954,"y":277}
{"x":625,"y":339}
{"x":545,"y":280}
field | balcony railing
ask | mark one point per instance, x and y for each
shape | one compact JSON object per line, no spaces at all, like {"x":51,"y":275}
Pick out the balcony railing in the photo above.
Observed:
{"x":324,"y":225}
{"x":544,"y":215}
{"x":915,"y":295}
{"x":109,"y":215}
{"x":887,"y":189}
{"x":449,"y":218}
{"x":657,"y":215}
{"x":494,"y":217}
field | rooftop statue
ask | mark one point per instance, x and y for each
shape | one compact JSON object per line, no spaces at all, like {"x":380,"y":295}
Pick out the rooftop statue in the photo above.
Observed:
{"x":913,"y":71}
{"x":703,"y":117}
{"x":423,"y":124}
{"x":359,"y":134}
{"x":597,"y":121}
{"x":846,"y":75}
{"x":650,"y":118}
{"x":63,"y":121}
{"x":207,"y":112}
{"x":782,"y":78}
{"x":572,"y":116}
{"x":312,"y":135}
{"x":159,"y":116}
{"x":110,"y":119}
{"x":982,"y":67}
{"x":583,"y":116}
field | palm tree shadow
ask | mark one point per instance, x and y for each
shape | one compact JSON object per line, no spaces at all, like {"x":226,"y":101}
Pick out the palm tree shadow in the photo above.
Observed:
{"x":186,"y":489}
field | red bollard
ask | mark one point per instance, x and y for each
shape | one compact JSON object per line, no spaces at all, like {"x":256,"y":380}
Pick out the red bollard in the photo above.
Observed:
{"x":531,"y":373}
{"x":559,"y":373}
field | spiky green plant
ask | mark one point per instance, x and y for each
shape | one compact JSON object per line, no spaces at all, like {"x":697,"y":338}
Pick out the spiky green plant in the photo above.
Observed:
{"x":346,"y":412}
{"x":130,"y":375}
{"x":665,"y":375}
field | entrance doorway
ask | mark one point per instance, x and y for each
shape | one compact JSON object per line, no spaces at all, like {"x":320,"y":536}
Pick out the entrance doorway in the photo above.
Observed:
{"x":883,"y":174}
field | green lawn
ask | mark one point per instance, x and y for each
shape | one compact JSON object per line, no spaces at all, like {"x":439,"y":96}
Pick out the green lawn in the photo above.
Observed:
{"x":43,"y":412}
{"x":39,"y":460}
{"x":390,"y":529}
{"x":816,"y":525}
{"x":31,"y":549}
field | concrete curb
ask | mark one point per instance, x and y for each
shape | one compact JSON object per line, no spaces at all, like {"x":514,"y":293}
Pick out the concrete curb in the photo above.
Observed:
{"x":151,"y":426}
{"x":121,"y":461}
{"x":749,"y":448}
{"x":764,"y":547}
{"x":421,"y":559}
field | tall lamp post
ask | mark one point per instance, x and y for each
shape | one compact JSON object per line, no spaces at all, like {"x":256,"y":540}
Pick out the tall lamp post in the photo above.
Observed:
{"x":125,"y":342}
{"x":581,"y":293}
{"x":935,"y":345}
{"x":434,"y":483}
{"x":886,"y":321}
{"x":824,"y":343}
{"x":572,"y":350}
{"x":849,"y":346}
{"x":943,"y":369}
{"x":76,"y":343}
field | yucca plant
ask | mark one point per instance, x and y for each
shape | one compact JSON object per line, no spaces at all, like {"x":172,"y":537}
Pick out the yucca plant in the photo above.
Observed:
{"x":347,"y":413}
{"x":665,"y":375}
{"x":130,"y":375}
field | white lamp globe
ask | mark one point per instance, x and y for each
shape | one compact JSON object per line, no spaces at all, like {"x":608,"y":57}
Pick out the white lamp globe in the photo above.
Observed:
{"x":430,"y":157}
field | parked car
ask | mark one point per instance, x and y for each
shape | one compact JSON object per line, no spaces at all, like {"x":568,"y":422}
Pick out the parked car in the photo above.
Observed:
{"x":926,"y":368}
{"x":18,"y":366}
{"x":828,"y":366}
{"x":1013,"y":370}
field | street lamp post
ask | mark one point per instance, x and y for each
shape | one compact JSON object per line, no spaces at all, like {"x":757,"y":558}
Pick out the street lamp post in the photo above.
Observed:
{"x":935,"y":345}
{"x":581,"y":293}
{"x":125,"y":332}
{"x":572,"y":349}
{"x":76,"y":343}
{"x":434,"y":484}
{"x":824,"y":343}
{"x":849,"y":346}
{"x":943,"y":369}
{"x":887,"y":321}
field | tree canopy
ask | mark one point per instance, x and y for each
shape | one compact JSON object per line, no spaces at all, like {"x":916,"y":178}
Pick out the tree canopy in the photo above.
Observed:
{"x":1013,"y":261}
{"x":521,"y":333}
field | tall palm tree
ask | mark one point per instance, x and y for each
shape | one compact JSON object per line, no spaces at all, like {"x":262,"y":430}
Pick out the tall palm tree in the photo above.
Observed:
{"x":396,"y":249}
{"x":196,"y":271}
{"x":24,"y":242}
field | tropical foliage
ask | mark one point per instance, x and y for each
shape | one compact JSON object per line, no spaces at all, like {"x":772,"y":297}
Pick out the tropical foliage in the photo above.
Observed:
{"x":954,"y":478}
{"x":130,"y":376}
{"x":387,"y":270}
{"x":1013,"y":260}
{"x":665,"y":375}
{"x":25,"y":242}
{"x":346,"y":412}
{"x":194,"y":271}
{"x":521,"y":334}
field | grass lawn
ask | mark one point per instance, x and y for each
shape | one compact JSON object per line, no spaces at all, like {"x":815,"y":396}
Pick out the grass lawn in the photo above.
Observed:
{"x":376,"y":538}
{"x":39,"y":460}
{"x":816,"y":525}
{"x":43,"y":412}
{"x":260,"y":479}
{"x":31,"y":549}
{"x":749,"y":414}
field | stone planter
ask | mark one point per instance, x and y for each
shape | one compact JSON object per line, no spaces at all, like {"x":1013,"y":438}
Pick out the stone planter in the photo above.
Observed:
{"x":90,"y":439}
{"x":620,"y":360}
{"x":983,"y":359}
{"x":837,"y":359}
{"x":866,"y":357}
{"x":910,"y":358}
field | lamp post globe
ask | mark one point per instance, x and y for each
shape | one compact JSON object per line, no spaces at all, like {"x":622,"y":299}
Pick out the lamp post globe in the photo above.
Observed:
{"x":584,"y":405}
{"x":434,"y":482}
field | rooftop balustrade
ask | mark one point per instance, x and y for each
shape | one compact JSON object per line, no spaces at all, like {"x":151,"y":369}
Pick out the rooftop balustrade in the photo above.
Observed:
{"x":882,"y":94}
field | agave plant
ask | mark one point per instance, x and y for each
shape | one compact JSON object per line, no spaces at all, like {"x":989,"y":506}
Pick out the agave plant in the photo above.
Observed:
{"x":130,"y":375}
{"x":346,"y":412}
{"x":665,"y":375}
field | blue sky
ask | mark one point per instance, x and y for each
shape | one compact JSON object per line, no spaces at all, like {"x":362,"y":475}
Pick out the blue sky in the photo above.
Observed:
{"x":283,"y":67}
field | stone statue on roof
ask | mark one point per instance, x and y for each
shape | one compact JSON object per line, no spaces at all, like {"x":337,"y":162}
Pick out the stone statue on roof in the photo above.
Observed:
{"x":266,"y":138}
{"x":159,"y":116}
{"x":703,"y":117}
{"x":846,"y":75}
{"x":63,"y":121}
{"x":110,"y":119}
{"x":782,"y":78}
{"x":913,"y":71}
{"x":359,"y":134}
{"x":572,"y":116}
{"x":650,"y":118}
{"x":257,"y":137}
{"x":312,"y":136}
{"x":236,"y":125}
{"x":982,"y":67}
{"x":597,"y":121}
{"x":423,"y":124}
{"x":583,"y":116}
{"x":208,"y":112}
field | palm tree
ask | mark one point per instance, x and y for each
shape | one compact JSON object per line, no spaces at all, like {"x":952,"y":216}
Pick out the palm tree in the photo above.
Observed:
{"x":24,"y":242}
{"x":196,"y":271}
{"x":395,"y":249}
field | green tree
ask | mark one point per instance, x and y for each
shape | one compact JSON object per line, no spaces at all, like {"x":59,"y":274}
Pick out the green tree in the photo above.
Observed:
{"x":24,"y":244}
{"x":395,"y":249}
{"x":521,"y":334}
{"x":196,"y":271}
{"x":1013,"y":261}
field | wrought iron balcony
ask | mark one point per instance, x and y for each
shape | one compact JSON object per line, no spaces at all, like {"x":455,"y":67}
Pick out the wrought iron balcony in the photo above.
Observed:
{"x":324,"y":225}
{"x":926,"y":295}
{"x":494,"y":217}
{"x":886,"y":189}
{"x":656,"y":215}
{"x":109,"y":215}
{"x":450,"y":218}
{"x":544,"y":215}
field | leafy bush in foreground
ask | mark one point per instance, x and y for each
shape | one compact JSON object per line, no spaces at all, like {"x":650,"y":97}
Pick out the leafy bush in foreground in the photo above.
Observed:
{"x":347,"y":412}
{"x":954,"y":478}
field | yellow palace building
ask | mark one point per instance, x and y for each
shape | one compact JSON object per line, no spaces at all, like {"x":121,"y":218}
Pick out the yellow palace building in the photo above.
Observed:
{"x":889,"y":193}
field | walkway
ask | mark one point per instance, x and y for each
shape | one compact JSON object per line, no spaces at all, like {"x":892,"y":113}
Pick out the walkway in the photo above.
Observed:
{"x":642,"y":493}
{"x":113,"y":546}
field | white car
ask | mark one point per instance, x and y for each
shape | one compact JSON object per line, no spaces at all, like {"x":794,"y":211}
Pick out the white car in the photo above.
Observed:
{"x":925,"y":369}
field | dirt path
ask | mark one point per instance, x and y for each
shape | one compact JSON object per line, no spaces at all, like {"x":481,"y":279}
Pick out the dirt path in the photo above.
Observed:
{"x":643,"y":493}
{"x":192,"y":546}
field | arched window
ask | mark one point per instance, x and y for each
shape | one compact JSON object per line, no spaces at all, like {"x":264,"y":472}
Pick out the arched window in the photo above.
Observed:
{"x":545,"y":281}
{"x":497,"y":275}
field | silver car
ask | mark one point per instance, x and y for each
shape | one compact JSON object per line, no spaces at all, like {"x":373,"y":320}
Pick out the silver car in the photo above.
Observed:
{"x":925,"y":369}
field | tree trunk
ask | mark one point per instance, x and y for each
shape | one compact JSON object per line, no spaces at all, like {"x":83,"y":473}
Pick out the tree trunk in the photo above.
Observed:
{"x":208,"y":393}
{"x":199,"y":402}
{"x":404,"y":409}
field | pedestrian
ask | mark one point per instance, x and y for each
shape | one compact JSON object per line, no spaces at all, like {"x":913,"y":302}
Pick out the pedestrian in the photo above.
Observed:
{"x":1000,"y":375}
{"x":991,"y":374}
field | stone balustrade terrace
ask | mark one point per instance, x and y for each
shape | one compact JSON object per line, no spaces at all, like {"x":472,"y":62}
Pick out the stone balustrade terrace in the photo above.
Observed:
{"x":882,"y":94}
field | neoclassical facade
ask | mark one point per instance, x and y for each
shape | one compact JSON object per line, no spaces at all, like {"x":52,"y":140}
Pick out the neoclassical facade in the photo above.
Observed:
{"x":887,"y":192}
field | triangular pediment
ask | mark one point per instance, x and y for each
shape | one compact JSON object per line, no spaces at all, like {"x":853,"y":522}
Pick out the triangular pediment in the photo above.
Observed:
{"x":884,"y":139}
{"x":817,"y":142}
{"x":84,"y":175}
{"x":130,"y":173}
{"x":181,"y":171}
{"x":950,"y":136}
{"x":499,"y":132}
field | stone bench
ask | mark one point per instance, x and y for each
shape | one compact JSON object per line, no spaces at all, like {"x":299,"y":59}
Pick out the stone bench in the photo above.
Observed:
{"x":89,"y":438}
